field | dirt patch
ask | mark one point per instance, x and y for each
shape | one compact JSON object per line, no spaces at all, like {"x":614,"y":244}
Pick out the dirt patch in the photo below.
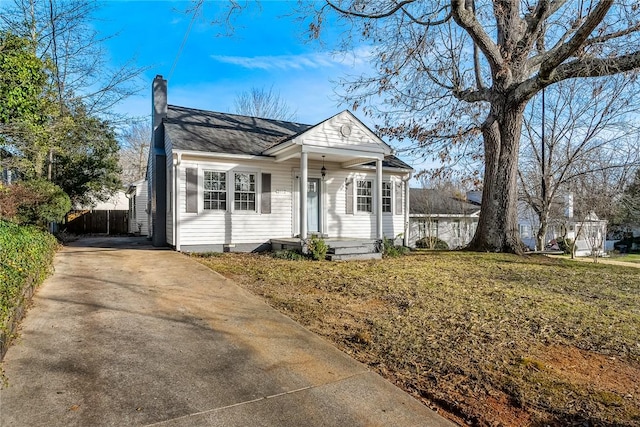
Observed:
{"x":502,"y":412}
{"x":607,"y":373}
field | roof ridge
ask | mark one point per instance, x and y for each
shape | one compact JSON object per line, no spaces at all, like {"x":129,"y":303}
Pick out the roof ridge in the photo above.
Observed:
{"x":239,"y":115}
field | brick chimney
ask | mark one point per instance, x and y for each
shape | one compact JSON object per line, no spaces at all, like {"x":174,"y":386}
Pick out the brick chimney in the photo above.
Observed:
{"x":158,"y":181}
{"x":159,"y":105}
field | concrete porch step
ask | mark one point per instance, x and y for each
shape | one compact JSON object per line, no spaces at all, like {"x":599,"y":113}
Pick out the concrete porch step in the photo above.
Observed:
{"x":354,"y":257}
{"x":364,"y":249}
{"x":342,"y":249}
{"x":350,"y":243}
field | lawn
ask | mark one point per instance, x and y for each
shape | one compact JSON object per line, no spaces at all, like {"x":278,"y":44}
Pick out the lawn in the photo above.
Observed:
{"x":486,"y":339}
{"x":635,"y":258}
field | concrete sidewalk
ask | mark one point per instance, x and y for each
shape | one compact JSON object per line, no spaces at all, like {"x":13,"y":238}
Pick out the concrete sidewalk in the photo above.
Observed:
{"x":127,"y":335}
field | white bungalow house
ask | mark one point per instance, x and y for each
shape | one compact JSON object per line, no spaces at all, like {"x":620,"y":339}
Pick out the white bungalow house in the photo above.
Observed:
{"x":225,"y":182}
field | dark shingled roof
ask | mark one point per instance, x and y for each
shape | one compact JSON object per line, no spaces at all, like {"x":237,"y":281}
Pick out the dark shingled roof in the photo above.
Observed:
{"x":197,"y":130}
{"x":438,"y":202}
{"x":391,"y":162}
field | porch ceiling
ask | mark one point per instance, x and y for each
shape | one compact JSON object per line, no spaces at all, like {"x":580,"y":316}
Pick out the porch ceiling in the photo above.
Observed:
{"x":348,"y":156}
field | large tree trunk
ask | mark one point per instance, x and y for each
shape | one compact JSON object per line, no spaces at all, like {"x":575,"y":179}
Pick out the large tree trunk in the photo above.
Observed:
{"x":497,"y":229}
{"x":542,"y":233}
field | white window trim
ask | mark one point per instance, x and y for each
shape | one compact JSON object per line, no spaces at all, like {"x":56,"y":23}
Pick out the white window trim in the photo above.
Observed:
{"x":355,"y":196}
{"x":202,"y":190}
{"x":391,"y":197}
{"x":257,"y":191}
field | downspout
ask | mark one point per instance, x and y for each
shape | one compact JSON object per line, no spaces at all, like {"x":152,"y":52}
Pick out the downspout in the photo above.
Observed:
{"x":175,"y":202}
{"x":378,"y":204}
{"x":407,"y":227}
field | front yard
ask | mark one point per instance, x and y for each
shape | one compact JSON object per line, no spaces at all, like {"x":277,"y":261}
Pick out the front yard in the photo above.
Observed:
{"x":635,"y":258}
{"x":486,"y":339}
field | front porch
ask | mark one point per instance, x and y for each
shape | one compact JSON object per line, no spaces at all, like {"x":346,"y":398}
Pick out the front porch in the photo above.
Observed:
{"x":340,"y":249}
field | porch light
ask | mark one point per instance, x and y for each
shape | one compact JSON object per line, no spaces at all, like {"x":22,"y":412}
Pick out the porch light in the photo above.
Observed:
{"x":323,"y":171}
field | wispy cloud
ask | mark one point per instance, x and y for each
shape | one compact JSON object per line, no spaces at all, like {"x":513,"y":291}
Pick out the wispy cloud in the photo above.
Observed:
{"x":295,"y":62}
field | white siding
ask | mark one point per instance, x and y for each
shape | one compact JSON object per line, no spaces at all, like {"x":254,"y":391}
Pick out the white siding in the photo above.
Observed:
{"x":168,"y":146}
{"x":236,"y":227}
{"x":138,"y":218}
{"x":328,"y":134}
{"x":456,"y":232}
{"x":358,"y":224}
{"x":239,"y":227}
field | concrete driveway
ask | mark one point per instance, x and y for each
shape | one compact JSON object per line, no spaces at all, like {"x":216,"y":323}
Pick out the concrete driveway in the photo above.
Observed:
{"x":127,"y":335}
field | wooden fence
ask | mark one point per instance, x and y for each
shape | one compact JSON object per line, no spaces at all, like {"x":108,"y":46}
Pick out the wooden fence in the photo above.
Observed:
{"x":112,"y":222}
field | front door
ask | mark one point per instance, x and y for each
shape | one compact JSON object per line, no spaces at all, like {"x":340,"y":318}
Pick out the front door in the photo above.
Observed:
{"x":313,"y":205}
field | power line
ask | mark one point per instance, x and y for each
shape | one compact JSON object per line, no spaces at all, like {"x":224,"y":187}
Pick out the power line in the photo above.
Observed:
{"x":184,"y":40}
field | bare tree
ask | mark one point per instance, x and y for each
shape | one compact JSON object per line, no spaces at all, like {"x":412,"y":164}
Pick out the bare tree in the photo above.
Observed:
{"x":63,"y":34}
{"x":628,"y":206}
{"x":260,"y":102}
{"x":596,"y":197}
{"x":456,"y":76}
{"x":588,"y":133}
{"x":134,"y":150}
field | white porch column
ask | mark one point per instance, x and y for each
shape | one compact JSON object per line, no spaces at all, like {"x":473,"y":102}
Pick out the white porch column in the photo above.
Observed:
{"x":304,"y":177}
{"x":379,"y":198}
{"x":407,"y":223}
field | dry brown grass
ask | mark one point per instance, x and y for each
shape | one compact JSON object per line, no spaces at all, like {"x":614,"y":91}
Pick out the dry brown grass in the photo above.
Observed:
{"x":489,"y":339}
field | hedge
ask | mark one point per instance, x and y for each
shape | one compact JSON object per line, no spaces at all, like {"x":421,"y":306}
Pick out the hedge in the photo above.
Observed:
{"x":26,"y":258}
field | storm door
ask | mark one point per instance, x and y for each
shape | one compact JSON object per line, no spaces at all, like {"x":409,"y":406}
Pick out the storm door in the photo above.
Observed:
{"x":313,"y":205}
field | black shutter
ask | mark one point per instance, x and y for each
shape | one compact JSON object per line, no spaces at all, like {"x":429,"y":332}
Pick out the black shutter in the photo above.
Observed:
{"x":398,"y":198}
{"x":192,"y":190}
{"x":265,"y":202}
{"x":349,"y":196}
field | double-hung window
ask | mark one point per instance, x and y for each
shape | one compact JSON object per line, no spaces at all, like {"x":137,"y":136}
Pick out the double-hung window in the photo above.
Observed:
{"x":386,"y":197}
{"x":215,"y":190}
{"x":244,"y":195}
{"x":364,"y":202}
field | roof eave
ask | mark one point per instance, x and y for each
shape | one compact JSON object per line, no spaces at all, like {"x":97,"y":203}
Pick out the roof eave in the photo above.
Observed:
{"x":387,"y":168}
{"x":212,"y":154}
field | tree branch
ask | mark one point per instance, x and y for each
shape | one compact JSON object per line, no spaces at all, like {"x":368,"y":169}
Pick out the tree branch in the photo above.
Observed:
{"x":556,"y":57}
{"x":596,"y":67}
{"x":465,"y":17}
{"x":386,"y":14}
{"x":473,"y":95}
{"x":611,"y":36}
{"x":590,"y":67}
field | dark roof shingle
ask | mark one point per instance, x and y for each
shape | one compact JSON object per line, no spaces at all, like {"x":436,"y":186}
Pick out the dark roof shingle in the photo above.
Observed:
{"x":198,"y":130}
{"x":437,"y":202}
{"x":190,"y":129}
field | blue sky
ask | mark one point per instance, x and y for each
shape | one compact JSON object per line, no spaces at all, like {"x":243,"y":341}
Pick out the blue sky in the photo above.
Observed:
{"x":267,"y":49}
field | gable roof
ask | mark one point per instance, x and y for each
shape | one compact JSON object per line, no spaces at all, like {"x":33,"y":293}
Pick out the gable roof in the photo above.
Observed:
{"x":197,"y":130}
{"x":190,"y":129}
{"x":427,"y":201}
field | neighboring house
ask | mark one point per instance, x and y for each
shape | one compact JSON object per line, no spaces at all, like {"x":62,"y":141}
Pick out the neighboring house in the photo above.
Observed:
{"x":587,"y":231}
{"x":116,"y":202}
{"x":138,"y":216}
{"x":442,"y":215}
{"x":224,"y":182}
{"x":7,"y":176}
